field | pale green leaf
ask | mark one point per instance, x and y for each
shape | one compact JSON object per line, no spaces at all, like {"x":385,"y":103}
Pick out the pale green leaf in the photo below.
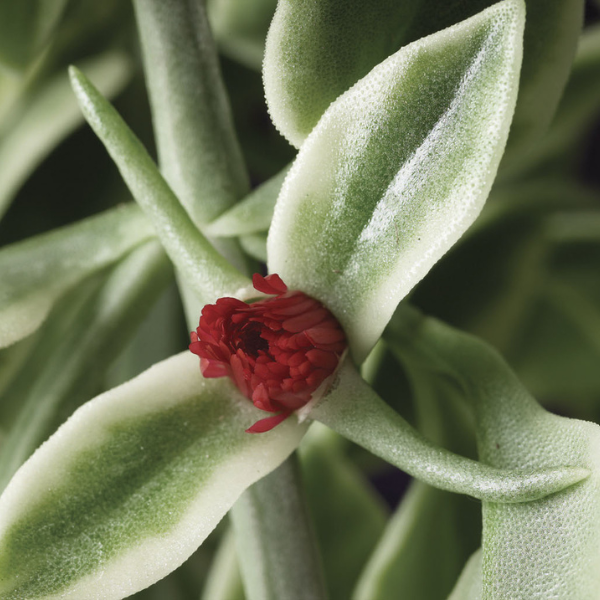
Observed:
{"x":132,"y":484}
{"x":253,"y":214}
{"x":77,"y":358}
{"x":198,"y":151}
{"x":531,"y":550}
{"x":354,"y":410}
{"x":25,"y":27}
{"x":255,"y":245}
{"x":420,"y":550}
{"x":432,"y":533}
{"x":469,"y":586}
{"x":348,"y":515}
{"x":37,"y":271}
{"x":274,"y":537}
{"x":224,"y":581}
{"x":318,"y":50}
{"x":396,"y":170}
{"x":48,"y":115}
{"x":240,"y":28}
{"x":207,"y":273}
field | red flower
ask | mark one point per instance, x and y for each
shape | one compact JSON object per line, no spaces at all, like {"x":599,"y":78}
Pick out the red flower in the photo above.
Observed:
{"x":278,"y":351}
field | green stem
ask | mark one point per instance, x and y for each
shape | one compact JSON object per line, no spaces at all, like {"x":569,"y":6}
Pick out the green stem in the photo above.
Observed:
{"x":276,"y":547}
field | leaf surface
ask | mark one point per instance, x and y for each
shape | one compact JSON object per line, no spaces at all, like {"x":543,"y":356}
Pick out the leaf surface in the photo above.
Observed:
{"x":37,"y":271}
{"x":396,"y":170}
{"x":131,"y":485}
{"x":530,"y":550}
{"x":317,"y":50}
{"x":206,"y":272}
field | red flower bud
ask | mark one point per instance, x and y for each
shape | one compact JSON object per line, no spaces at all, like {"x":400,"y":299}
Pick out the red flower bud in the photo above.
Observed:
{"x":278,"y":351}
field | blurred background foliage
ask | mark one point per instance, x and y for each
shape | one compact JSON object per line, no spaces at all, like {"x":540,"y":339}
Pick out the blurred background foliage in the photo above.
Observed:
{"x":525,"y":278}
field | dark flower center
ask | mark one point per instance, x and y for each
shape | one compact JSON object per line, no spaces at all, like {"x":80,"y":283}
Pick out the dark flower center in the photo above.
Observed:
{"x":250,"y":340}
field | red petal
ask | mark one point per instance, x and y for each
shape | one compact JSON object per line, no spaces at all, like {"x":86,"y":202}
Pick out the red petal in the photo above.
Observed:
{"x":271,"y":284}
{"x":212,"y":368}
{"x":238,"y":375}
{"x":322,"y":335}
{"x":322,"y":359}
{"x":268,"y":423}
{"x":305,"y":321}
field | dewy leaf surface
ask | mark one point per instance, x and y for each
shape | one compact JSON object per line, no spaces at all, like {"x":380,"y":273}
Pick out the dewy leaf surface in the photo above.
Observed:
{"x":396,"y":170}
{"x":355,"y":411}
{"x":198,"y":151}
{"x":316,"y":50}
{"x":206,"y":272}
{"x":547,"y":548}
{"x":131,"y":485}
{"x":36,"y":272}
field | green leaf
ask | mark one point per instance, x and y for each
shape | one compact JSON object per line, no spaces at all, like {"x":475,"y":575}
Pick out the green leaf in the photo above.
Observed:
{"x":420,"y":551}
{"x":46,"y":116}
{"x":432,"y":533}
{"x":207,"y":273}
{"x":132,"y":484}
{"x":253,"y":214}
{"x":355,"y":411}
{"x":318,"y":50}
{"x":198,"y":151}
{"x":538,"y":549}
{"x":470,"y":585}
{"x":240,"y":28}
{"x":275,"y":541}
{"x":348,"y":516}
{"x":396,"y":170}
{"x":37,"y":271}
{"x":77,"y":358}
{"x":255,"y":245}
{"x":224,"y":581}
{"x":25,"y":26}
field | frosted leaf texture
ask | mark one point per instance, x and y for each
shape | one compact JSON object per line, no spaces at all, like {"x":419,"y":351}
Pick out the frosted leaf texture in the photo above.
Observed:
{"x":131,"y":485}
{"x":317,"y":49}
{"x":396,"y":170}
{"x":547,"y":548}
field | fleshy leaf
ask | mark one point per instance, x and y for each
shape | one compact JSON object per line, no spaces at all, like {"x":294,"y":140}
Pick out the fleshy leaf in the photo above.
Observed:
{"x":224,"y":581}
{"x":396,"y":170}
{"x":206,"y":272}
{"x":432,"y":532}
{"x":355,"y":411}
{"x":348,"y":515}
{"x":198,"y":151}
{"x":522,"y":556}
{"x":419,"y":549}
{"x":253,"y":214}
{"x":70,"y":364}
{"x":37,"y":271}
{"x":47,"y":117}
{"x":131,"y":485}
{"x":277,"y":550}
{"x":318,"y":50}
{"x":470,"y":585}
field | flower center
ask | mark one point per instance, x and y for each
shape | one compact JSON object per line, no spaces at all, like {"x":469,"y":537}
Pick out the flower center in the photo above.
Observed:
{"x":250,"y":340}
